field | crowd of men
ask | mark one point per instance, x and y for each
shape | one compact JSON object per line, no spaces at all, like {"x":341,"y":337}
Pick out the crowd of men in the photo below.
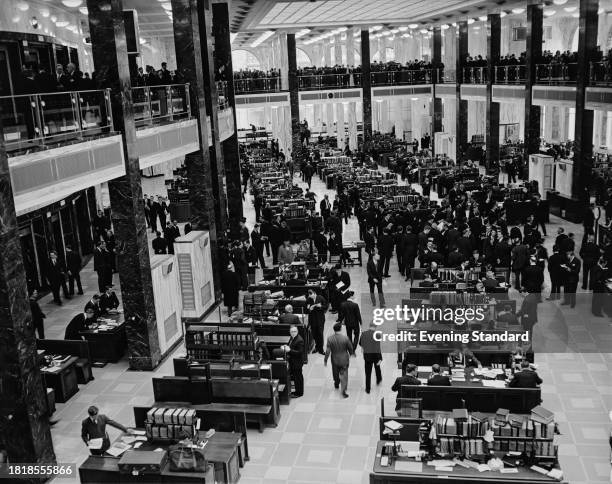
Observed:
{"x":149,"y":76}
{"x":36,"y":80}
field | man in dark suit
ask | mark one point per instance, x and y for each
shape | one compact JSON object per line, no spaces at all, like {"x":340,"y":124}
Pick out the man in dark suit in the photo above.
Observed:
{"x":340,"y":348}
{"x":533,"y":276}
{"x":257,"y":240}
{"x":339,"y":282}
{"x":316,"y":305}
{"x":288,"y":317}
{"x":325,"y":207}
{"x":520,"y":259}
{"x":294,"y":351}
{"x":79,"y":323}
{"x":103,"y":266}
{"x":526,"y":378}
{"x":38,"y":317}
{"x":370,"y":240}
{"x":108,"y":301}
{"x":375,"y":279}
{"x":56,"y":278}
{"x":385,"y":244}
{"x":571,"y":275}
{"x":94,"y":427}
{"x":436,"y":378}
{"x":590,"y":255}
{"x":556,"y":274}
{"x":409,"y":379}
{"x":159,"y":244}
{"x":372,"y":355}
{"x":73,"y":264}
{"x":94,"y":303}
{"x":320,"y":242}
{"x":350,"y":315}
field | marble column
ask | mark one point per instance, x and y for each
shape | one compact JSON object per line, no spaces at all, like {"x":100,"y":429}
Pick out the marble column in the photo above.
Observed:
{"x":461,"y":112}
{"x":284,"y":55}
{"x":329,"y":118}
{"x":338,"y":49}
{"x":535,"y":22}
{"x":109,"y":52}
{"x":294,"y":96}
{"x":583,"y":137}
{"x":352,"y":125}
{"x":211,"y":98}
{"x":223,"y":65}
{"x":350,"y":47}
{"x":366,"y":85}
{"x":24,"y":422}
{"x":327,"y":54}
{"x":492,"y":118}
{"x":436,"y":59}
{"x":199,"y":165}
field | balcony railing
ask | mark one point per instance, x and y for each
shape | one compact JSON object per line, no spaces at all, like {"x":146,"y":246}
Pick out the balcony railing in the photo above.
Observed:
{"x":325,"y":81}
{"x":36,"y":121}
{"x":223,"y":100}
{"x":556,"y":73}
{"x":257,"y":84}
{"x":475,"y":75}
{"x":395,"y":78}
{"x":600,"y":73}
{"x":160,"y":104}
{"x":447,"y":76}
{"x":514,"y":74}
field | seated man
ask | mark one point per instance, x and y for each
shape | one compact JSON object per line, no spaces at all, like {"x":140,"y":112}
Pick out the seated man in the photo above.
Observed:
{"x":436,"y":378}
{"x":490,"y":282}
{"x":80,"y":322}
{"x":409,"y":379}
{"x":507,"y":316}
{"x":288,"y":317}
{"x":94,"y":303}
{"x":463,"y":357}
{"x":428,"y":281}
{"x":526,"y":378}
{"x":108,"y":301}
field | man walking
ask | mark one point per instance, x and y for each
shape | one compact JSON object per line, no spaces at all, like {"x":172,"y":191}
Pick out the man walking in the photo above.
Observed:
{"x":340,"y":349}
{"x":294,"y":350}
{"x":73,"y":264}
{"x":372,"y":355}
{"x":350,"y":315}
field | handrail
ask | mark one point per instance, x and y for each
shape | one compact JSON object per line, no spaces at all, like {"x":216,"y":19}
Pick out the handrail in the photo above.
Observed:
{"x":475,"y":75}
{"x":406,"y":76}
{"x":257,"y":84}
{"x":40,"y":119}
{"x":600,"y":73}
{"x":556,"y":73}
{"x":160,"y":103}
{"x":510,"y":74}
{"x":317,"y":81}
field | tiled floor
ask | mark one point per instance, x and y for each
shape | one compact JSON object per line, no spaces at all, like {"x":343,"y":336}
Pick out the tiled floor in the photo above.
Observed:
{"x":324,"y":438}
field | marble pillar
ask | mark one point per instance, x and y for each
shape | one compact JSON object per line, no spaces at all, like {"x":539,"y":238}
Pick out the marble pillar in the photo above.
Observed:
{"x":366,"y":85}
{"x":110,"y":58}
{"x":436,"y":59}
{"x":492,"y":118}
{"x":352,"y":125}
{"x":294,"y":97}
{"x":461,"y":116}
{"x":211,"y":98}
{"x":327,"y":54}
{"x":583,"y":137}
{"x":329,"y":118}
{"x":284,"y":55}
{"x":188,"y":47}
{"x":535,"y":22}
{"x":338,"y":49}
{"x":350,"y":47}
{"x":24,"y":421}
{"x":223,"y":65}
{"x":340,"y":131}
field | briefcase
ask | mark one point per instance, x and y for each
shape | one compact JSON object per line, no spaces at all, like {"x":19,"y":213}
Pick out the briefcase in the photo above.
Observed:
{"x":142,"y":462}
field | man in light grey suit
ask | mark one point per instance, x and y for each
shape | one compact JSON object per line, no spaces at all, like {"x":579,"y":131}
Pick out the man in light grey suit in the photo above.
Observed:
{"x":340,"y":348}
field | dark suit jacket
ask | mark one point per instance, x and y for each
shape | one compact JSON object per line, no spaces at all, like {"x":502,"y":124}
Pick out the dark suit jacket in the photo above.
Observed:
{"x":374,"y":271}
{"x":97,"y":430}
{"x":101,"y":260}
{"x":525,"y":379}
{"x":370,"y":347}
{"x":289,"y":318}
{"x":349,"y":314}
{"x":439,"y":380}
{"x":397,"y":386}
{"x":74,"y":326}
{"x":296,"y":351}
{"x":108,"y":302}
{"x":73,"y":262}
{"x":55,"y":273}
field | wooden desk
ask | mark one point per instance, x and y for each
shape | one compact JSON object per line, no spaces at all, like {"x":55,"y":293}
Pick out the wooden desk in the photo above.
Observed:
{"x":222,"y":451}
{"x":459,"y":475}
{"x":107,"y":345}
{"x":64,"y":380}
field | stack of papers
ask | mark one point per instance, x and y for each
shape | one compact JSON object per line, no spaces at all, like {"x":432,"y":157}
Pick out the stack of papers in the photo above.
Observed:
{"x":118,"y":448}
{"x":494,"y":383}
{"x":408,"y":466}
{"x":95,"y":444}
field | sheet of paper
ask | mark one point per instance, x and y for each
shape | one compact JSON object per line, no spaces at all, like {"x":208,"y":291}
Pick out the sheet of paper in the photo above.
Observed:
{"x":556,"y":474}
{"x":423,"y":381}
{"x":117,"y":449}
{"x":509,"y":470}
{"x":441,"y":463}
{"x":139,"y":432}
{"x":137,"y":445}
{"x":141,"y":438}
{"x":128,"y":439}
{"x":494,"y":383}
{"x":443,"y":469}
{"x":339,"y":284}
{"x":95,"y":443}
{"x":424,"y":369}
{"x":408,"y":445}
{"x":408,"y":466}
{"x":483,"y":468}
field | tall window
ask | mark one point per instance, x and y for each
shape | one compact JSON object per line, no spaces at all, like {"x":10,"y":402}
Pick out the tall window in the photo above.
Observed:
{"x":243,"y":59}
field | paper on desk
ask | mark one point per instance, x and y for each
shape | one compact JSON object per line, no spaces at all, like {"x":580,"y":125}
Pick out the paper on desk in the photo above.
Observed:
{"x":128,"y":439}
{"x":95,"y":444}
{"x":139,"y":432}
{"x":118,"y":448}
{"x":441,"y":463}
{"x":423,"y":381}
{"x":137,"y":445}
{"x":141,"y":438}
{"x":483,"y":468}
{"x":52,"y":369}
{"x":556,"y":474}
{"x":423,"y":369}
{"x":494,"y":383}
{"x":509,"y":470}
{"x":408,"y":445}
{"x":408,"y":466}
{"x":443,"y":469}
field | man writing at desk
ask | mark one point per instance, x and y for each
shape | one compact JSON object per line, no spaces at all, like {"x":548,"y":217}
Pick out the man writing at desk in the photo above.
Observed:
{"x":94,"y":427}
{"x":80,"y":322}
{"x":526,"y":378}
{"x":288,"y":317}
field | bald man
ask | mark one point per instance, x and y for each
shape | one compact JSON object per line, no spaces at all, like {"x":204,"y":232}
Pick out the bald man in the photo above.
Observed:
{"x":288,"y":317}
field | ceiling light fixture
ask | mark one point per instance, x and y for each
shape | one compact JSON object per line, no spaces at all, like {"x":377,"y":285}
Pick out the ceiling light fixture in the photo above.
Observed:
{"x":423,"y":31}
{"x":403,"y":28}
{"x":62,"y":23}
{"x":570,"y":9}
{"x":24,"y":7}
{"x":559,"y":2}
{"x":72,"y":3}
{"x":84,"y":10}
{"x":53,"y":18}
{"x":482,"y":18}
{"x":413,"y":26}
{"x":518,"y":11}
{"x":470,"y":21}
{"x":263,"y":37}
{"x":549,"y":13}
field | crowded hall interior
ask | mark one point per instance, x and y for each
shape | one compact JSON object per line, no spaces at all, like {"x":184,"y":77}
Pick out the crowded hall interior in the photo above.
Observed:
{"x":306,"y":241}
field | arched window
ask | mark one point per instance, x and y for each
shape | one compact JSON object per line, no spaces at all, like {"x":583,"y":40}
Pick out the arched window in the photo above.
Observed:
{"x":243,"y":59}
{"x":303,"y":60}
